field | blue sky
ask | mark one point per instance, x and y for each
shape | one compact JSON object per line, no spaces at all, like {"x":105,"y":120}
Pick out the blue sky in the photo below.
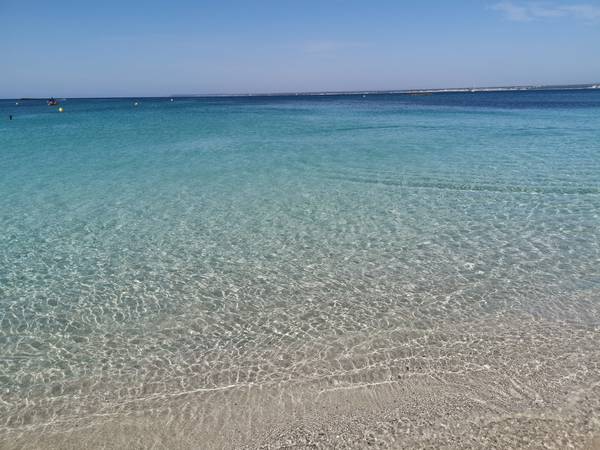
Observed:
{"x":151,"y":47}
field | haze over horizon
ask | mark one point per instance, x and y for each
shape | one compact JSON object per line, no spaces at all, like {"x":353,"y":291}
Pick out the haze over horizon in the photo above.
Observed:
{"x":157,"y":48}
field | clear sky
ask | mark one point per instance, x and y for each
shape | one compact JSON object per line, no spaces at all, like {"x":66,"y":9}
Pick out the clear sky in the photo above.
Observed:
{"x":159,"y":47}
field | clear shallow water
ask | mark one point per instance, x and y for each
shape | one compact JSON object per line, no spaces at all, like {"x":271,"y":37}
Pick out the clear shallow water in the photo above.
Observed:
{"x":205,"y":244}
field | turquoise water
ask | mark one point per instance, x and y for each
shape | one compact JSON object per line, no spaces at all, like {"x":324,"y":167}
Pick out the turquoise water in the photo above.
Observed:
{"x":207,"y":243}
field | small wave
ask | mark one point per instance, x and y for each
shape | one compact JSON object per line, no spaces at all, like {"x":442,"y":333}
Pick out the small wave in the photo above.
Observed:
{"x":479,"y":188}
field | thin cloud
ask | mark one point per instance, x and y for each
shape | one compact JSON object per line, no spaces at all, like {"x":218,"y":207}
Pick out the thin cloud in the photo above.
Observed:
{"x":512,"y":11}
{"x":525,"y":12}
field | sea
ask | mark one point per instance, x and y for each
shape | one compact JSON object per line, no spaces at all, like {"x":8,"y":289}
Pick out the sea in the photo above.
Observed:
{"x":155,"y":251}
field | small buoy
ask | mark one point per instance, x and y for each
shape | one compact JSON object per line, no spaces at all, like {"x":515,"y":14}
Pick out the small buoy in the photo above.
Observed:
{"x":61,"y":109}
{"x":135,"y":103}
{"x":172,"y":100}
{"x":17,"y":103}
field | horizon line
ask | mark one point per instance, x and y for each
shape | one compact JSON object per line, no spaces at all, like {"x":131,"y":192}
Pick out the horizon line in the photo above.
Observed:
{"x":505,"y":88}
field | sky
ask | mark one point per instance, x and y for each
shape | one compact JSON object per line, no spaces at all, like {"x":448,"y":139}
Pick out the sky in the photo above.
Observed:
{"x":86,"y":48}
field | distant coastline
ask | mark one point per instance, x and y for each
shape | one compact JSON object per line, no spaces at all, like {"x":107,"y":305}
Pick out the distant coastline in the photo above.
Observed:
{"x":566,"y":87}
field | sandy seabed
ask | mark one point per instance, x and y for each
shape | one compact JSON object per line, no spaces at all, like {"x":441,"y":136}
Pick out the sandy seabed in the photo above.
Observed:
{"x":519,"y":383}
